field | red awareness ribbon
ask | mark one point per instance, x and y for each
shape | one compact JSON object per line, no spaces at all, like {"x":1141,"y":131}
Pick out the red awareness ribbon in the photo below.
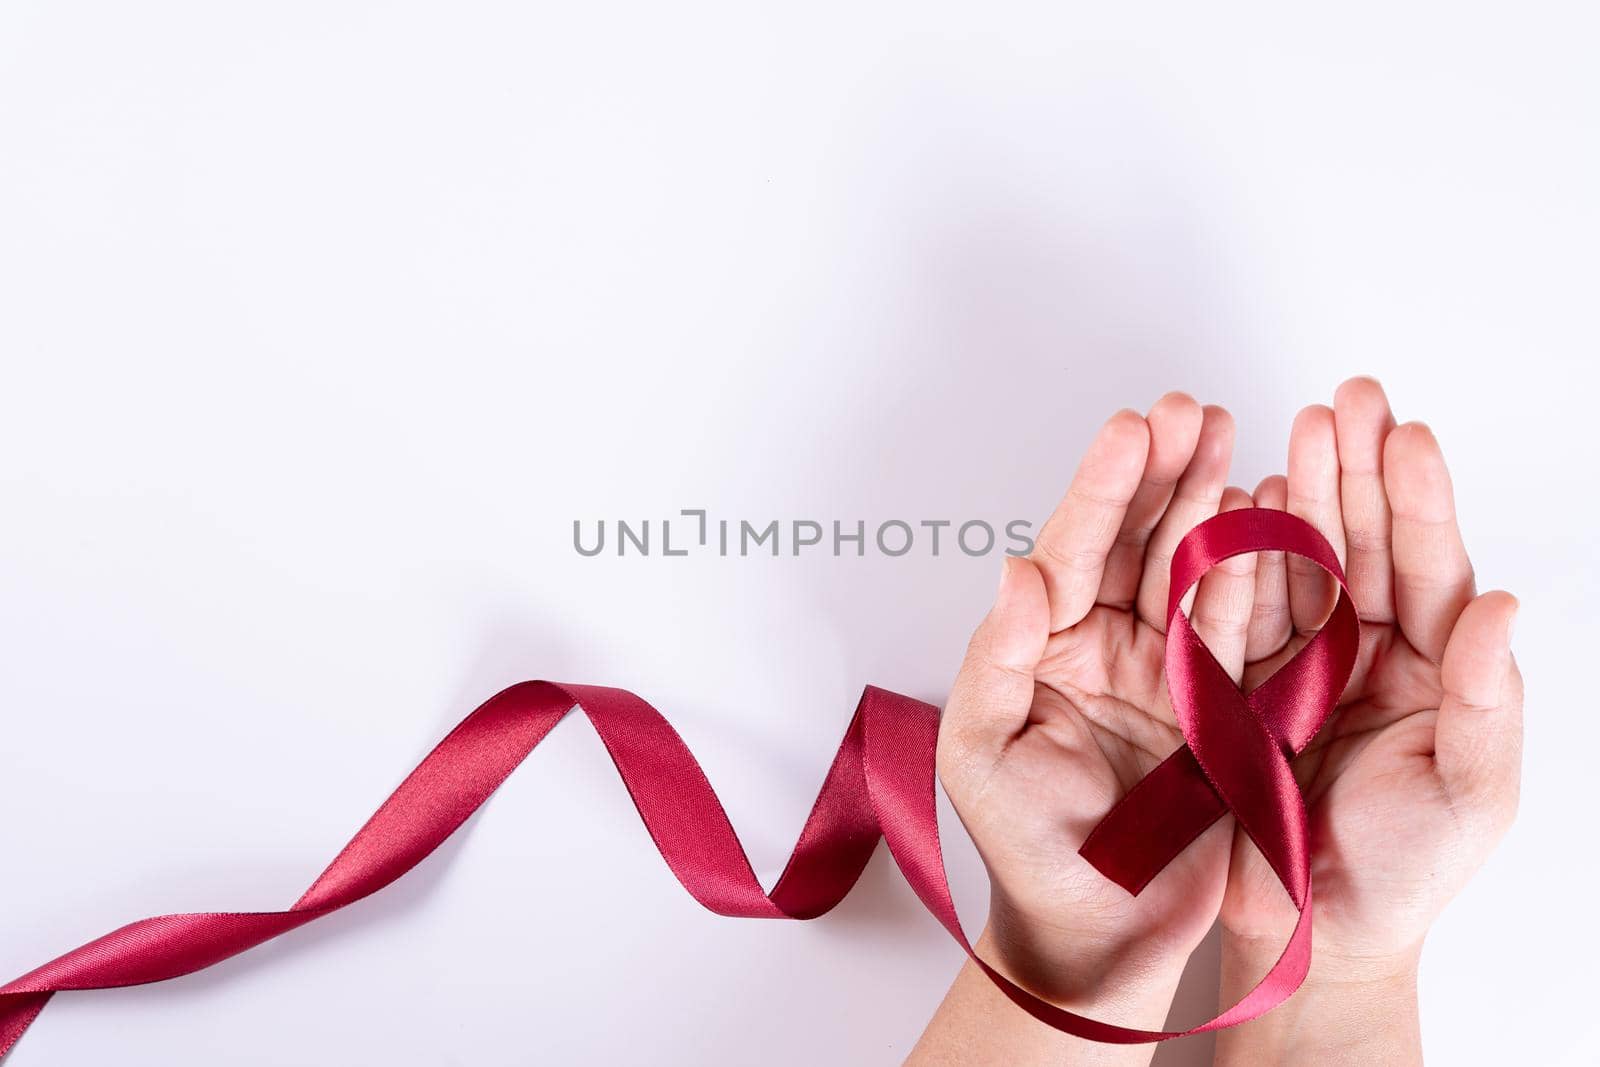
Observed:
{"x":881,"y":784}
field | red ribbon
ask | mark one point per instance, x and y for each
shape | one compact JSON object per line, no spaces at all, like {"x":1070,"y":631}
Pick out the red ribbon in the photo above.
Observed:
{"x":881,"y":784}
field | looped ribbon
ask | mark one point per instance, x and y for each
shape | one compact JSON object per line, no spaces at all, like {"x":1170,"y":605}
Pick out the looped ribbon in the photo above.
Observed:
{"x":881,"y":784}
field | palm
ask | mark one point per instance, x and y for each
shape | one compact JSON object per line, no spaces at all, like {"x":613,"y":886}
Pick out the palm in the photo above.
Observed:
{"x":1413,"y":778}
{"x":1376,"y":805}
{"x":1062,"y":704}
{"x":1100,"y":721}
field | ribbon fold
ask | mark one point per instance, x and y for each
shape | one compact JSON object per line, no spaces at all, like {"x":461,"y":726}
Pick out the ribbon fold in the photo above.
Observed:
{"x":880,"y":785}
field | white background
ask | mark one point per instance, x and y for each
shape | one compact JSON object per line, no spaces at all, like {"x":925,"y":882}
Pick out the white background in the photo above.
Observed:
{"x":321,"y":322}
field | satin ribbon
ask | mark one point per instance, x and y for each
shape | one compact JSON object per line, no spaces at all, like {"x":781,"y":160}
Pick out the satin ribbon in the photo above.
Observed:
{"x":881,"y":784}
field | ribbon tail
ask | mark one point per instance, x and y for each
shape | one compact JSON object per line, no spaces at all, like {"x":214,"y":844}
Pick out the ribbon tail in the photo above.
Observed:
{"x":17,"y":1012}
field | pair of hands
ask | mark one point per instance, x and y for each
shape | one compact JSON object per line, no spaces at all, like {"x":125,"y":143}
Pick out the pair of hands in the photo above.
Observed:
{"x":1061,"y":706}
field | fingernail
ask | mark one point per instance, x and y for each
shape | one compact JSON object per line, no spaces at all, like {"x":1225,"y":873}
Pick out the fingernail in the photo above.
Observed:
{"x":1511,"y":623}
{"x":1005,"y":572}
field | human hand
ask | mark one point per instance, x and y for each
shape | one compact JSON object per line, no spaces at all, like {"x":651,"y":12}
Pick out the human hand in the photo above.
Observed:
{"x":1415,"y":776}
{"x":1061,"y":706}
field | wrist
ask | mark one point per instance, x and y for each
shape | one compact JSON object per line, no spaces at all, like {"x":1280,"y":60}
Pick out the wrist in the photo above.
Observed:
{"x":1128,"y":989}
{"x":1351,"y":1008}
{"x":977,"y":1023}
{"x":1119,"y":978}
{"x":1332,"y":964}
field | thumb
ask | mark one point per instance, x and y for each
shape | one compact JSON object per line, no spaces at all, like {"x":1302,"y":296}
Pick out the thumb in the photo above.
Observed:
{"x":991,"y":696}
{"x":1478,"y":738}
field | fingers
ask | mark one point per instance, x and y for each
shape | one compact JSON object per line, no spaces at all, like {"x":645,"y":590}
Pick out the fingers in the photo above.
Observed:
{"x":1194,"y":500}
{"x":1174,"y":423}
{"x":1270,"y":624}
{"x":1432,"y":574}
{"x":991,"y":696}
{"x":1478,"y":738}
{"x":1074,"y":543}
{"x":1362,"y":420}
{"x":1313,"y":494}
{"x":1223,"y":600}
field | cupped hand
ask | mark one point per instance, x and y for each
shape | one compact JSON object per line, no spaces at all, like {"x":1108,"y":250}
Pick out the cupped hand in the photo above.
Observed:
{"x":1061,"y":706}
{"x":1415,"y":776}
